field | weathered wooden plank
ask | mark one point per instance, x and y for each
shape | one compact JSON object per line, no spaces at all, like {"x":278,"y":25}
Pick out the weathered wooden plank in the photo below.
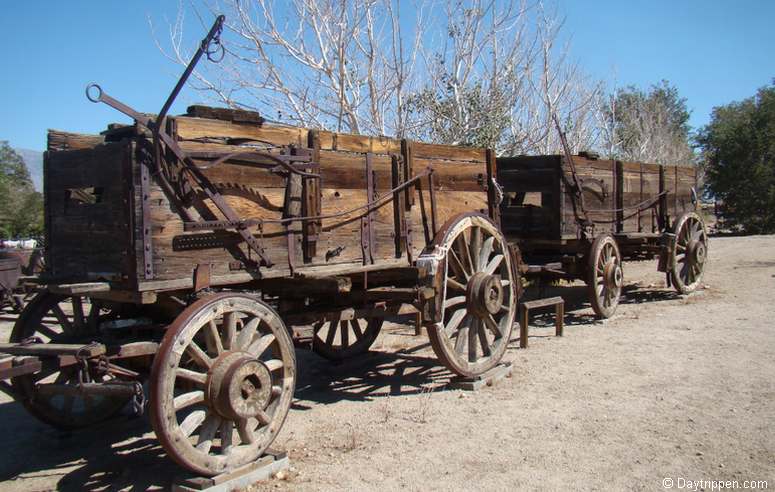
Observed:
{"x":59,"y":140}
{"x":53,"y":349}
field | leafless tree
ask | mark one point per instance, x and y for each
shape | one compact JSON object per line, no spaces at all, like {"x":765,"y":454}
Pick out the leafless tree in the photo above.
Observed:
{"x":476,"y":72}
{"x":339,"y":64}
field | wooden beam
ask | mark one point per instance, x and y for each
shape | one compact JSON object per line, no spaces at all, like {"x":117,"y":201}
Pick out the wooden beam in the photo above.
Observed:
{"x":53,"y":349}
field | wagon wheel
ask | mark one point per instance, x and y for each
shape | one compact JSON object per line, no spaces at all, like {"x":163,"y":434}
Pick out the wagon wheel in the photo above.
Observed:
{"x":54,"y":318}
{"x":689,"y":254}
{"x":337,"y":339}
{"x":478,"y":296}
{"x":604,"y":275}
{"x":222,"y":383}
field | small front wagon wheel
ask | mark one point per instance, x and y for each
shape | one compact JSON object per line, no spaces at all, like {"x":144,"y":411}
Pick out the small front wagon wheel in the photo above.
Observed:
{"x":478,"y":296}
{"x":604,"y":276}
{"x":222,"y":383}
{"x":689,"y":254}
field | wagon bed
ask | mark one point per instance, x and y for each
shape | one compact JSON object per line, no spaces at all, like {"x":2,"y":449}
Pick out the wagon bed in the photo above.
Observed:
{"x":562,"y":211}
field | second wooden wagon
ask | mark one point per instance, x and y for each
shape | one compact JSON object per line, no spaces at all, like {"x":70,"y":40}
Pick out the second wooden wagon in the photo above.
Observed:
{"x":579,"y":217}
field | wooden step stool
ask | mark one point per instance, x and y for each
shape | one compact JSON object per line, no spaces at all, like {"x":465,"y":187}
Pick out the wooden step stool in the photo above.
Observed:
{"x":524,"y":315}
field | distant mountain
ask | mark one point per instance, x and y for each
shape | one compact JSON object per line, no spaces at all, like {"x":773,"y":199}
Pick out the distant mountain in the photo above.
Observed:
{"x":34,"y":161}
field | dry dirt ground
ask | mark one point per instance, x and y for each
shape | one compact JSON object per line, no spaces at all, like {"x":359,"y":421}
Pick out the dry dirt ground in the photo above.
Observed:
{"x":671,"y":387}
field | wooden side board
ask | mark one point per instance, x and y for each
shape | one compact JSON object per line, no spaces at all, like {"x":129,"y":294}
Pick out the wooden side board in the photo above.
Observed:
{"x":137,"y":235}
{"x":88,"y":213}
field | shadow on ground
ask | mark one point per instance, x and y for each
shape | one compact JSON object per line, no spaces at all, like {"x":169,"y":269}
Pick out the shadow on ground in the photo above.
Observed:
{"x":121,"y":454}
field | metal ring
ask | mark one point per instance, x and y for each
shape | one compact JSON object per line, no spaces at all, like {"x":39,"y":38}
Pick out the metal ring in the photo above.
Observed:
{"x":99,"y":93}
{"x":212,"y":52}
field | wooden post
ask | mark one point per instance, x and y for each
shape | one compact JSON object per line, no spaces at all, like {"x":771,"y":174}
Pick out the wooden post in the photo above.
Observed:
{"x":559,"y":322}
{"x":311,"y":204}
{"x":418,"y":323}
{"x":493,"y":207}
{"x":523,"y":315}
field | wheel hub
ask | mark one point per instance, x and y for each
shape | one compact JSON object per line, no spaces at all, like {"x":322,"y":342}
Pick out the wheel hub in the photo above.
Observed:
{"x":484,"y":295}
{"x":613,"y":274}
{"x":697,"y":252}
{"x":239,"y":386}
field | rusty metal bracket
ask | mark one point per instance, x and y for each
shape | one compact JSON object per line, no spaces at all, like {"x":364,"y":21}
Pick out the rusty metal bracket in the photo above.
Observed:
{"x":146,"y":228}
{"x":201,"y":277}
{"x":367,"y":222}
{"x":432,"y":194}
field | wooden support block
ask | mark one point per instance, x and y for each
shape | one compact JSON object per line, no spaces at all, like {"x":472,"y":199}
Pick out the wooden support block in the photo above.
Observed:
{"x":241,"y":478}
{"x":489,"y":378}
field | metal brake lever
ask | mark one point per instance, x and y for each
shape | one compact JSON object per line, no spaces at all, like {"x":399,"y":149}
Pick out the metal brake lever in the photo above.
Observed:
{"x":101,"y":97}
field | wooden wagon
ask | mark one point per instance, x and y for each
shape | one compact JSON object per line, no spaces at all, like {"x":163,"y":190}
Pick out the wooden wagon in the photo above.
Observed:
{"x":580,"y":217}
{"x":183,"y":252}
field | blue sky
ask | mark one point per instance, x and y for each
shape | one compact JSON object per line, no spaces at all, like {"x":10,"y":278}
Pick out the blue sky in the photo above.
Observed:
{"x":714,"y":51}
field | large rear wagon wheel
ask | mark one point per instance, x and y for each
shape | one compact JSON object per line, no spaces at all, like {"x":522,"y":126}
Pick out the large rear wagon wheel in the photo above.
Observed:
{"x":604,"y":276}
{"x":689,"y":254}
{"x":54,"y":318}
{"x":478,"y":297}
{"x":222,"y":383}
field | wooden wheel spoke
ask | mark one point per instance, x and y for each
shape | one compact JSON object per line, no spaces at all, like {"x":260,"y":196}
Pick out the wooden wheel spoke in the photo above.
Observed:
{"x":193,"y":376}
{"x":454,"y":321}
{"x":229,"y":330}
{"x":227,"y":436}
{"x":465,"y":252}
{"x":491,"y":325}
{"x":78,"y":318}
{"x":473,"y":335}
{"x":198,"y":355}
{"x":457,"y":265}
{"x":274,"y":364}
{"x":49,"y":332}
{"x":209,"y":427}
{"x":258,"y":347}
{"x":453,"y":284}
{"x":192,"y":422}
{"x":454,"y":301}
{"x":476,"y":247}
{"x":333,"y":326}
{"x":263,"y":418}
{"x":494,"y":264}
{"x":92,"y":321}
{"x":483,"y":341}
{"x":214,"y":341}
{"x":344,"y":334}
{"x":245,"y":431}
{"x":356,"y":327}
{"x":484,"y":254}
{"x":246,"y":334}
{"x":62,"y":318}
{"x":188,"y":399}
{"x":40,"y":376}
{"x":462,"y":336}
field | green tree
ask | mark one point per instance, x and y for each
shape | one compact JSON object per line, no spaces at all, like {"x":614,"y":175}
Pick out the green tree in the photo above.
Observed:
{"x":648,"y":126}
{"x":738,"y":150}
{"x":21,"y":207}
